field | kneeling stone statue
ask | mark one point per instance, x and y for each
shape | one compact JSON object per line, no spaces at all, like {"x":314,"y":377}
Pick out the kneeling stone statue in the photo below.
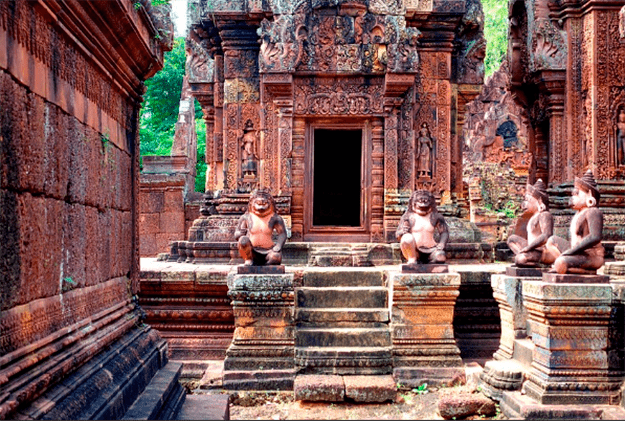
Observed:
{"x":417,"y":228}
{"x":256,"y":228}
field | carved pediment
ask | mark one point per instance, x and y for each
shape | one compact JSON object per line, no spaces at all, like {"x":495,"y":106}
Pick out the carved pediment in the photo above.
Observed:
{"x":347,"y":39}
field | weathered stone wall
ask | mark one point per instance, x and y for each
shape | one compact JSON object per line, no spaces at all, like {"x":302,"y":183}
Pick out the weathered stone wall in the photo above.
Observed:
{"x":71,"y":79}
{"x":162,"y":219}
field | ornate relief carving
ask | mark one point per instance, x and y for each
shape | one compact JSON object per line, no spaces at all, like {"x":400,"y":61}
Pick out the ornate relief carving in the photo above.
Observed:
{"x":200,"y":67}
{"x":472,"y":51}
{"x":338,"y":96}
{"x":63,"y":62}
{"x":347,"y":39}
{"x":549,"y":44}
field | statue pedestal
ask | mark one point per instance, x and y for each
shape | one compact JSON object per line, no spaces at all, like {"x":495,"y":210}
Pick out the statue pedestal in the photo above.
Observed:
{"x":424,"y":348}
{"x":536,"y":272}
{"x":572,"y":361}
{"x":425,"y":268}
{"x":261,"y":355}
{"x":507,"y":291}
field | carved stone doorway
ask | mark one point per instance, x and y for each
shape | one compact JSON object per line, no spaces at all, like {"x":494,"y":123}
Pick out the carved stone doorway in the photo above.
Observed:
{"x":337,"y":177}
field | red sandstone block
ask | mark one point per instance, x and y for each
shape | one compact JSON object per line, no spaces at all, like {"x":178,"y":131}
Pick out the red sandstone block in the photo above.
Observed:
{"x":74,"y":266}
{"x":149,"y":223}
{"x":9,"y":250}
{"x":104,"y":250}
{"x":370,"y":388}
{"x":56,"y":153}
{"x":128,"y":242}
{"x":115,"y":244}
{"x":23,"y":150}
{"x":174,"y":201}
{"x":127,"y":177}
{"x":314,"y":387}
{"x":77,"y":165}
{"x":163,"y":240}
{"x":41,"y":240}
{"x":92,"y":251}
{"x":147,"y":245}
{"x":151,"y":201}
{"x":172,"y":222}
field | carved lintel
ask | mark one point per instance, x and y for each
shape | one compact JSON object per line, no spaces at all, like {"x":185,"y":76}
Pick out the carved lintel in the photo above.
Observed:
{"x":553,"y":82}
{"x":204,"y":92}
{"x":279,"y":85}
{"x":397,"y":84}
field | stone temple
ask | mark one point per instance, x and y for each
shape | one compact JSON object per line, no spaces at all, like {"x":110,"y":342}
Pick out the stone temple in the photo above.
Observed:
{"x":341,"y":110}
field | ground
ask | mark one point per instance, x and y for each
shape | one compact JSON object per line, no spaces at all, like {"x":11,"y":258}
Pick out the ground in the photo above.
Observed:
{"x":410,"y":405}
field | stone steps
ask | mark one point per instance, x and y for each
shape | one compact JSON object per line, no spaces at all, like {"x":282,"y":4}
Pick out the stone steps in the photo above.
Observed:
{"x":342,"y":328}
{"x":338,"y":297}
{"x":343,"y":337}
{"x":341,"y":315}
{"x":162,"y":398}
{"x":344,"y":278}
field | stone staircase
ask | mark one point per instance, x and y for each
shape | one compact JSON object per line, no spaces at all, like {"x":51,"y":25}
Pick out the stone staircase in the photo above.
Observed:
{"x":342,"y":329}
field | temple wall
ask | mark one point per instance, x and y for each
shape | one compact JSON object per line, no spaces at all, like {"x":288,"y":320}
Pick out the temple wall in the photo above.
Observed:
{"x":162,"y":212}
{"x":71,"y":79}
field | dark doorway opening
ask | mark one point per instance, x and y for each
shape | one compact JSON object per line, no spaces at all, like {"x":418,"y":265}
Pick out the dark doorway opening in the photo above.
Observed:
{"x":337,"y":157}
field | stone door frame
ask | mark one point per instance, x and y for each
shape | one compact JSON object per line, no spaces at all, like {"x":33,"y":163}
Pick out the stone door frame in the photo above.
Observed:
{"x":334,"y":233}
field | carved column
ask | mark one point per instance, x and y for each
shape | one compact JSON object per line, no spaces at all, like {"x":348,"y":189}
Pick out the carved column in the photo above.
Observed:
{"x":377,"y":180}
{"x":280,"y":88}
{"x":572,"y":361}
{"x":395,"y":86}
{"x":261,"y":356}
{"x":218,"y":133}
{"x":554,"y":82}
{"x":424,"y":349}
{"x":241,"y":101}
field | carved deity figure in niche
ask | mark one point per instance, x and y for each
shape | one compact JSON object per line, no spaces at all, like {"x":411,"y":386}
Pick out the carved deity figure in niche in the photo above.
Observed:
{"x":425,"y":145}
{"x":620,"y":139}
{"x":528,"y":244}
{"x":256,"y":228}
{"x":417,"y":229}
{"x":249,"y":160}
{"x":584,"y":254}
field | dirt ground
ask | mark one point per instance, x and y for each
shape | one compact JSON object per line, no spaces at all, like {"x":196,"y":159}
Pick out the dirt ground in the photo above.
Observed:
{"x":281,"y":406}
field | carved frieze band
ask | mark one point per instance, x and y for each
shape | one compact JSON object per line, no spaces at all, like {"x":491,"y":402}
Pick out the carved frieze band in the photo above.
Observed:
{"x":40,"y":39}
{"x":324,"y":97}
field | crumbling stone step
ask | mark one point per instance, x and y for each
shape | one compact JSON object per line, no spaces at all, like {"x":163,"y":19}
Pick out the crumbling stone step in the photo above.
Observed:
{"x":342,"y":337}
{"x":339,"y":315}
{"x":344,"y":278}
{"x":338,"y":297}
{"x":259,"y":380}
{"x":162,"y":398}
{"x":343,"y":360}
{"x":335,"y":388}
{"x":205,"y":407}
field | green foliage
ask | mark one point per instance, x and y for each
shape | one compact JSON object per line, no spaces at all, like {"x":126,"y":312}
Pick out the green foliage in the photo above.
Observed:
{"x":421,"y":390}
{"x":496,"y":33}
{"x":200,"y":167}
{"x":161,"y":101}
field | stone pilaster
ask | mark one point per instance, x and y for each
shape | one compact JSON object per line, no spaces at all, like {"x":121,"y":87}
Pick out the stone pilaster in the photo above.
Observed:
{"x":424,"y":349}
{"x":571,"y":361}
{"x":507,"y":292}
{"x":261,"y":354}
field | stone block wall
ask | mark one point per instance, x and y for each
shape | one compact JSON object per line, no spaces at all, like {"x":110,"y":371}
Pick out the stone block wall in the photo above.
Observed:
{"x":162,"y":212}
{"x":71,"y":78}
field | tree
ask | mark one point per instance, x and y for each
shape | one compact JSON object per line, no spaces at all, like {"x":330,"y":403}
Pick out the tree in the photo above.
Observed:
{"x":160,"y":111}
{"x":496,"y":33}
{"x":161,"y":101}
